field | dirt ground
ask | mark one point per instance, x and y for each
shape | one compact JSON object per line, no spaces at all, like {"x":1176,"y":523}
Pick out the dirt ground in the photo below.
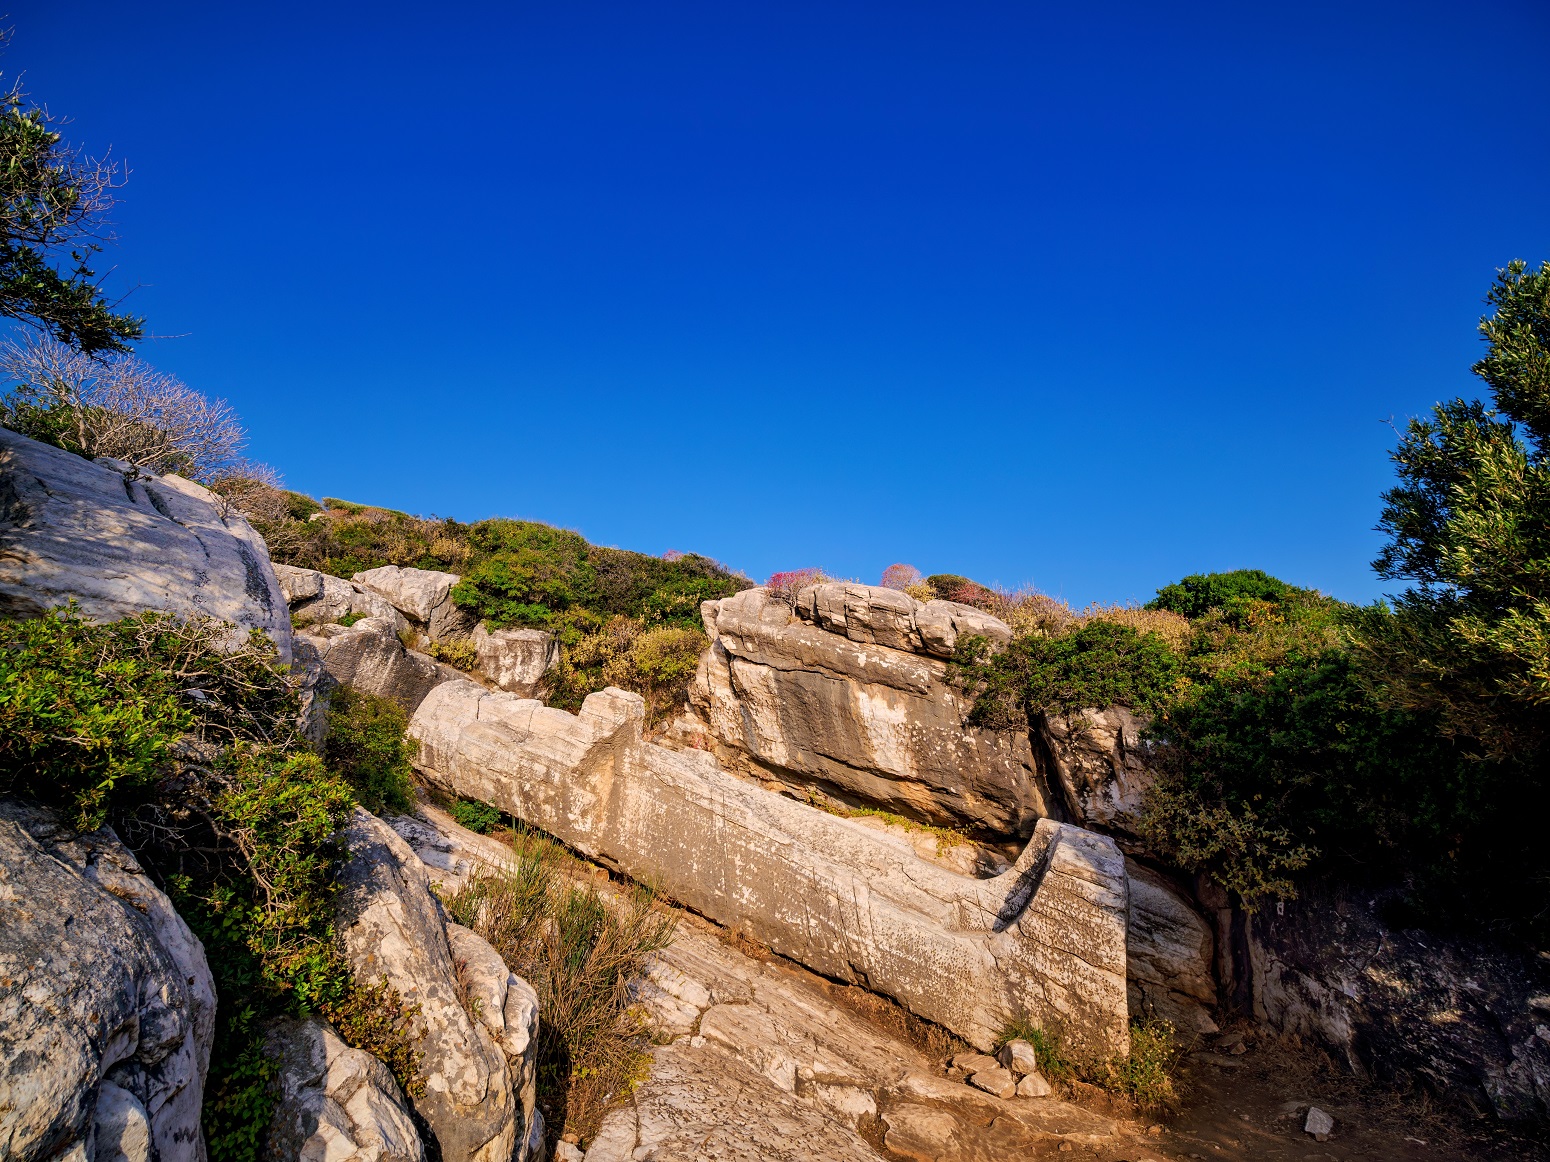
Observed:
{"x":1253,"y":1106}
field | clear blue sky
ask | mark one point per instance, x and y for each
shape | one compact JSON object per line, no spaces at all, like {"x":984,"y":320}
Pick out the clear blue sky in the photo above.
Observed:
{"x":1087,"y":296}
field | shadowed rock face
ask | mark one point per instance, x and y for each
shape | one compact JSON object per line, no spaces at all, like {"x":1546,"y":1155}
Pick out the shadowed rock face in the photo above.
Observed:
{"x":369,"y":656}
{"x":120,"y":543}
{"x":1460,"y":1016}
{"x":855,"y":704}
{"x":1046,"y":939}
{"x":107,"y":1007}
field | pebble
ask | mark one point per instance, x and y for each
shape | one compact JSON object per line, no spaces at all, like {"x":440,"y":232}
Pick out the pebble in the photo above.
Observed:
{"x":1319,"y":1124}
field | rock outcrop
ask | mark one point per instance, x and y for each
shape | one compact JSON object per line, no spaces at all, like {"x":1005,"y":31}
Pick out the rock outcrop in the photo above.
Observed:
{"x":853,"y":703}
{"x":1460,"y":1016}
{"x":1170,"y":951}
{"x":370,"y":656}
{"x":391,"y":929}
{"x":106,"y":1002}
{"x":515,"y":660}
{"x":335,"y":1103}
{"x":119,"y":541}
{"x":321,"y":599}
{"x":1098,"y":765}
{"x":424,"y":596}
{"x":1043,"y":940}
{"x":760,"y":1059}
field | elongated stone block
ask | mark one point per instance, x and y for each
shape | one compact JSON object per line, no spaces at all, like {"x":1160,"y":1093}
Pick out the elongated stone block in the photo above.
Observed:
{"x":1045,"y":940}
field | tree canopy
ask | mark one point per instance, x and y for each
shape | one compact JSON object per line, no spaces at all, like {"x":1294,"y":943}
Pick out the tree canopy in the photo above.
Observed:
{"x":53,"y":218}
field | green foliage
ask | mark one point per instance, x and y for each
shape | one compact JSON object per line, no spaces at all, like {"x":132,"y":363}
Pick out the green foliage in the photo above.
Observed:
{"x":366,"y":747}
{"x":476,"y":816}
{"x":1099,"y":664}
{"x":1145,"y":1074}
{"x":89,"y":714}
{"x":1054,"y":1063}
{"x":459,"y":652}
{"x":52,"y":209}
{"x":1468,"y":524}
{"x":350,"y":619}
{"x":85,"y":711}
{"x":191,"y":749}
{"x":1200,"y":593}
{"x":656,"y":663}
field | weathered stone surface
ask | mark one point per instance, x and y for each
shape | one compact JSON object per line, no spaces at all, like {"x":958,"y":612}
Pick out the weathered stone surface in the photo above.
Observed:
{"x":872,"y":615}
{"x":507,"y":1007}
{"x":106,"y":1002}
{"x":390,"y":926}
{"x":997,"y":1081}
{"x":369,"y":656}
{"x":1019,"y":1056}
{"x":1170,"y":948}
{"x":321,"y":599}
{"x":515,"y":659}
{"x":1099,"y":765}
{"x":424,"y":596}
{"x":122,"y":543}
{"x":857,"y":720}
{"x":782,"y":1068}
{"x":1033,"y":1085}
{"x":334,"y":1103}
{"x":1046,"y":939}
{"x":1456,"y":1015}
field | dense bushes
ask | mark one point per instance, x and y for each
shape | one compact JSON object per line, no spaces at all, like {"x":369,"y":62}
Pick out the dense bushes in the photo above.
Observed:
{"x":367,"y":747}
{"x":655,"y":662}
{"x":191,"y":751}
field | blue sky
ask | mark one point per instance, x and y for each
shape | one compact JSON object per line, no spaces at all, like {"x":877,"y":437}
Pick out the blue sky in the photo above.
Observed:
{"x":1084,"y":297}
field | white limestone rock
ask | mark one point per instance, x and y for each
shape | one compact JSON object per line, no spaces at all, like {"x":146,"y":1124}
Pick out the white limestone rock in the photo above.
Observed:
{"x":106,"y":1001}
{"x":1169,"y":948}
{"x":390,"y":926}
{"x":515,"y":659}
{"x":335,"y":1103}
{"x":120,"y":543}
{"x":424,"y":596}
{"x":370,"y":656}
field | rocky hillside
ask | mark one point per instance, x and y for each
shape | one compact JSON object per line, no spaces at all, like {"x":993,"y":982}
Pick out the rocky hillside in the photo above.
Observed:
{"x":855,"y":791}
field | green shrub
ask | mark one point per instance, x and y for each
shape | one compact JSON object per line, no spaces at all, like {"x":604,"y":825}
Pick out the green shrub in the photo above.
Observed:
{"x":1199,"y":593}
{"x":457,"y":652}
{"x":366,"y":746}
{"x":656,"y":663}
{"x":476,"y":816}
{"x":1099,"y":664}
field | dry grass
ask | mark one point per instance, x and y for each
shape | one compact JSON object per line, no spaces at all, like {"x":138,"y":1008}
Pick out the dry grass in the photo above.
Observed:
{"x":1171,"y":627}
{"x":579,"y":951}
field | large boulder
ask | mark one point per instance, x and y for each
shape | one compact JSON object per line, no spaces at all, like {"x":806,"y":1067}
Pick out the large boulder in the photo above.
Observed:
{"x":370,"y":656}
{"x":424,"y":596}
{"x":391,"y":929}
{"x":119,"y":541}
{"x":853,"y":705}
{"x":335,"y":1103}
{"x":516,"y":660}
{"x":1464,"y":1017}
{"x":106,"y":1002}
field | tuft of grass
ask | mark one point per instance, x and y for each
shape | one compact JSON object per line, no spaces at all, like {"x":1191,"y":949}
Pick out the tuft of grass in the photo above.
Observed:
{"x":350,"y":619}
{"x":457,"y":652}
{"x":580,"y":952}
{"x":1143,"y":1077}
{"x":1054,"y":1063}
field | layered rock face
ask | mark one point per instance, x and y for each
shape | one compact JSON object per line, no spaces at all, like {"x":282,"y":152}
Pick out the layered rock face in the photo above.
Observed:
{"x":1462,"y":1017}
{"x":846,"y":694}
{"x":120,"y":542}
{"x":424,"y":596}
{"x":370,"y":656}
{"x":1044,"y":940}
{"x":106,"y":1001}
{"x":1098,"y":764}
